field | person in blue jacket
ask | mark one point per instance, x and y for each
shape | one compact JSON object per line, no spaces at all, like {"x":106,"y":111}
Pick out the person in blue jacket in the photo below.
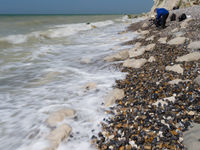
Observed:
{"x":162,"y":15}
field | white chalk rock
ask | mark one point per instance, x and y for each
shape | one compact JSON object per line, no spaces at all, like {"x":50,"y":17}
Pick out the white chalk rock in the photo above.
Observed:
{"x":85,"y":60}
{"x":194,"y":45}
{"x":163,"y":40}
{"x":197,"y":80}
{"x":59,"y":116}
{"x":185,"y":24}
{"x":177,"y":41}
{"x":175,"y":30}
{"x":137,"y":45}
{"x":189,"y":57}
{"x":113,"y":96}
{"x":58,"y":135}
{"x":144,"y":32}
{"x":136,"y":52}
{"x":90,"y":86}
{"x":145,"y":25}
{"x":151,"y":38}
{"x":175,"y":68}
{"x":151,"y":59}
{"x":191,"y":137}
{"x":176,"y":81}
{"x":122,"y":55}
{"x":150,"y":47}
{"x":134,"y":63}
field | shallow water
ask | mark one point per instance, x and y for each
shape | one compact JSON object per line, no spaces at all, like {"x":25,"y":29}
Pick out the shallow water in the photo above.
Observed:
{"x":42,"y":69}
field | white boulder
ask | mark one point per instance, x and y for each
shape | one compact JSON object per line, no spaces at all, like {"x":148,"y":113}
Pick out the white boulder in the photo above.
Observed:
{"x":194,"y":45}
{"x":177,"y":41}
{"x":189,"y":57}
{"x":136,"y":52}
{"x":58,"y":135}
{"x":113,"y":96}
{"x":59,"y":116}
{"x":122,"y":55}
{"x":176,"y":68}
{"x":134,"y":63}
{"x":150,"y":47}
{"x":151,"y":59}
{"x":163,"y":40}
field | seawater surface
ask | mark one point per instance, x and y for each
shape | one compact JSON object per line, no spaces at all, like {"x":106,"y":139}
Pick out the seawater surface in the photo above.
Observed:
{"x":45,"y":62}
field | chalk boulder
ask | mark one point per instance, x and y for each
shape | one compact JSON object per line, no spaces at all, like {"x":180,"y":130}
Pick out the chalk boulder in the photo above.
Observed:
{"x":197,"y":80}
{"x":134,"y":63}
{"x":163,"y":40}
{"x":59,"y":116}
{"x":136,"y":52}
{"x":151,"y":59}
{"x":175,"y":68}
{"x":194,"y":45}
{"x":113,"y":96}
{"x":58,"y":135}
{"x":150,"y":47}
{"x":189,"y":57}
{"x":177,"y":41}
{"x":122,"y":55}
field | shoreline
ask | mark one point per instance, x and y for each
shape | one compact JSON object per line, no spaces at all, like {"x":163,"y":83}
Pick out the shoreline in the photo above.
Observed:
{"x":162,"y":91}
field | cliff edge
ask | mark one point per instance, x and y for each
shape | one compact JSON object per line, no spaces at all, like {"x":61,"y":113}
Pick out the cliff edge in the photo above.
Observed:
{"x":170,"y":4}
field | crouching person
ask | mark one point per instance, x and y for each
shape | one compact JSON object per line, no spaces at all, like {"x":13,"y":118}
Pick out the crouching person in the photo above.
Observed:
{"x":162,"y":15}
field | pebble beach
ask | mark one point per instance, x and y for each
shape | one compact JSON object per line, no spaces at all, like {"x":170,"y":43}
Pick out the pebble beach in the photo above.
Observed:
{"x":157,"y":105}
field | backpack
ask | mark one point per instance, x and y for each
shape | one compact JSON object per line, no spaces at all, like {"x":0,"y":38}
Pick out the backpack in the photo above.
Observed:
{"x":182,"y":17}
{"x":173,"y":17}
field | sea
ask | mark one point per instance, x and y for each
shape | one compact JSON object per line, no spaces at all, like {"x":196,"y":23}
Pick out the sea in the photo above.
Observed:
{"x":45,"y":63}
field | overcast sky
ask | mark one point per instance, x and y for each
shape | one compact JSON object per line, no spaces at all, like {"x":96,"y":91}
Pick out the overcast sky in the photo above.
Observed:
{"x":74,"y":6}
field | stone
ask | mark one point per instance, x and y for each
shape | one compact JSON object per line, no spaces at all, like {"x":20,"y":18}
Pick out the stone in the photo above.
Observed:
{"x":85,"y":60}
{"x":197,"y":80}
{"x":134,"y":63}
{"x":176,"y":81}
{"x":90,"y":86}
{"x":151,"y":59}
{"x":185,"y":24}
{"x":151,"y":38}
{"x":179,"y":34}
{"x":59,"y":116}
{"x":122,"y":55}
{"x":145,"y":25}
{"x":163,"y":40}
{"x":137,"y":45}
{"x":189,"y":57}
{"x":177,"y":41}
{"x":194,"y":45}
{"x":58,"y":135}
{"x":191,"y":137}
{"x":113,"y":96}
{"x":136,"y":52}
{"x":176,"y":68}
{"x":175,"y":30}
{"x":150,"y":47}
{"x":144,"y":32}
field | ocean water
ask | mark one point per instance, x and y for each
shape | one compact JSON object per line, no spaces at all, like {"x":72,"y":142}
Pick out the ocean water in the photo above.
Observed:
{"x":45,"y":62}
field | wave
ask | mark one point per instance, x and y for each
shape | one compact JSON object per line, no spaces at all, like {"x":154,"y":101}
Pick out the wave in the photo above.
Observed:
{"x":58,"y":31}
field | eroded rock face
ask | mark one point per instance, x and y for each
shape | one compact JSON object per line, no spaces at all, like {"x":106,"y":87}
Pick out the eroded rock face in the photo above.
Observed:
{"x":177,"y":41}
{"x":134,"y":63}
{"x":122,"y":55}
{"x":113,"y":96}
{"x":169,"y":4}
{"x":194,"y":45}
{"x":176,"y":68}
{"x":58,"y":135}
{"x":189,"y":57}
{"x":59,"y":116}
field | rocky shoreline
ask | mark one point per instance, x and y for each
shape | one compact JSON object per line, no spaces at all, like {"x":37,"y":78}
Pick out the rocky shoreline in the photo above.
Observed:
{"x":161,"y":90}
